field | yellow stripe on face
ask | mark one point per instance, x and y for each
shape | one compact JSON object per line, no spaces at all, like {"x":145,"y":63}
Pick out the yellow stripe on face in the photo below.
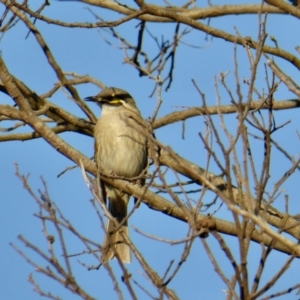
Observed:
{"x":116,"y":101}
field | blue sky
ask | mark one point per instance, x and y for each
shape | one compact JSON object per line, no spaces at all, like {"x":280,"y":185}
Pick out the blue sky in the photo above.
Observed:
{"x":85,"y":52}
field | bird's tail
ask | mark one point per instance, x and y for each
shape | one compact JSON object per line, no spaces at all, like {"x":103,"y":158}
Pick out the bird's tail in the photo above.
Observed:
{"x":113,"y":242}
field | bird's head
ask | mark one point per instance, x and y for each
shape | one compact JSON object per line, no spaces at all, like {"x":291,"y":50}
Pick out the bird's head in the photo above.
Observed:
{"x":112,"y":98}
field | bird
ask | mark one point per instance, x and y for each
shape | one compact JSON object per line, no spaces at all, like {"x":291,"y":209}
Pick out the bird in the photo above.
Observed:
{"x":122,"y":150}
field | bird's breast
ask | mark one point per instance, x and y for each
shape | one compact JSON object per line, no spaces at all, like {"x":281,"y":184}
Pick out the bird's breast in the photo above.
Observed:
{"x":120,"y":147}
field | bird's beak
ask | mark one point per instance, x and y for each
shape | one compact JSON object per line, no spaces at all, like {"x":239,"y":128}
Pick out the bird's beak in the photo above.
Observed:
{"x":91,"y":99}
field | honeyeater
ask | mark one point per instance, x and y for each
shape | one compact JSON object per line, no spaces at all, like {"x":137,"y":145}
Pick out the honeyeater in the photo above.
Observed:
{"x":122,"y":150}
